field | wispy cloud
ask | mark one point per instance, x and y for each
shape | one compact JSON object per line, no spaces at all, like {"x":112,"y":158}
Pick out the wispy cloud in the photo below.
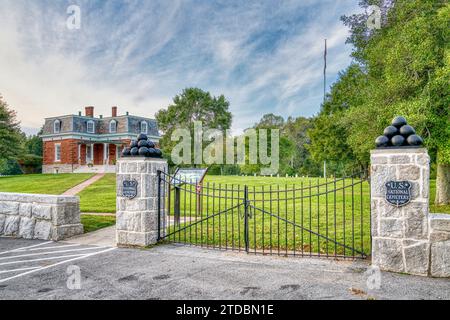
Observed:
{"x":264,"y":56}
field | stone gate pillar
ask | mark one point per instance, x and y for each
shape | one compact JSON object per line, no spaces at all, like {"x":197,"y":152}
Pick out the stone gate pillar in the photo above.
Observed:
{"x":400,"y":221}
{"x":137,"y":200}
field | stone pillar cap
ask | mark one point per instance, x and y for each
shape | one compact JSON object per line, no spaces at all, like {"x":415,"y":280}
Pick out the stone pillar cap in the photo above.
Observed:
{"x":399,"y":150}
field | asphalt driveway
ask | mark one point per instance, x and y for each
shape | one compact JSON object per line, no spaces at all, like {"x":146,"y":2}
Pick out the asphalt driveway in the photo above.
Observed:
{"x":33,"y":269}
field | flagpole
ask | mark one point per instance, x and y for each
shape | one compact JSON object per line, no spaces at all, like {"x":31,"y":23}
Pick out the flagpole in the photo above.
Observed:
{"x":324,"y":95}
{"x":325,"y":71}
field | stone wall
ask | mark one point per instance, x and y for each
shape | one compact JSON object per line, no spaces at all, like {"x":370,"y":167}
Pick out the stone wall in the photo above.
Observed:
{"x":439,"y":245}
{"x":137,"y":218}
{"x":34,"y":216}
{"x":404,"y":237}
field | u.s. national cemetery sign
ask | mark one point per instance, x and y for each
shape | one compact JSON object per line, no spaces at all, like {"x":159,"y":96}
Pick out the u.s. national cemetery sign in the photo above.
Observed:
{"x":398,"y":193}
{"x":129,"y":189}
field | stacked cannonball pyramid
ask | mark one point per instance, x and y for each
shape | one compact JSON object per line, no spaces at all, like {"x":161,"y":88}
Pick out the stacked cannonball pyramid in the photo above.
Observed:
{"x":142,"y":147}
{"x":399,"y":134}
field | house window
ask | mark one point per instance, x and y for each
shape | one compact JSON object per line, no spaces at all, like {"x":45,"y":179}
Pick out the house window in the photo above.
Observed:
{"x":144,"y":127}
{"x":57,"y":126}
{"x":57,"y":152}
{"x":90,"y":126}
{"x":113,"y":126}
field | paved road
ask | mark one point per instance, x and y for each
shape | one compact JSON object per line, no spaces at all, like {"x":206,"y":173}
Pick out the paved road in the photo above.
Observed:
{"x":175,"y":272}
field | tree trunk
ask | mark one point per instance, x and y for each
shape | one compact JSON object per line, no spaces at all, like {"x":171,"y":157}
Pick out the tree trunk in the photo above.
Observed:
{"x":442,"y":185}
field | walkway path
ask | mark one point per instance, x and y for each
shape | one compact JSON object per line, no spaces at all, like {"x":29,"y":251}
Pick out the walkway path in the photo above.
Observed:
{"x":80,"y":187}
{"x":102,"y":237}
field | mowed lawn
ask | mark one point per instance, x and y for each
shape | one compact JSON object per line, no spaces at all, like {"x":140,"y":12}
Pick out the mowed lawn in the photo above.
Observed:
{"x":100,"y":196}
{"x":42,"y":183}
{"x":93,"y":222}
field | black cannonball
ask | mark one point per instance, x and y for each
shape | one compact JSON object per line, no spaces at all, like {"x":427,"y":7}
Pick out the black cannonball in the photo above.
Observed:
{"x":382,"y":141}
{"x":142,"y":143}
{"x":134,"y":151}
{"x":151,"y":144}
{"x":390,"y":131}
{"x":126,"y":151}
{"x":133,"y":144}
{"x":143,"y":151}
{"x":407,"y":130}
{"x":397,"y":140}
{"x":158,"y":153}
{"x":142,"y":136}
{"x":151,"y":152}
{"x":414,"y":140}
{"x":398,"y":122}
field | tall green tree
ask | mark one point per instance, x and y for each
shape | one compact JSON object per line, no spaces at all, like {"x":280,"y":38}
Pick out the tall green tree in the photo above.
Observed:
{"x":193,"y":104}
{"x":295,"y":129}
{"x":329,"y":134}
{"x":403,"y":70}
{"x":294,"y":156}
{"x":407,"y":63}
{"x":10,"y":138}
{"x":33,"y":144}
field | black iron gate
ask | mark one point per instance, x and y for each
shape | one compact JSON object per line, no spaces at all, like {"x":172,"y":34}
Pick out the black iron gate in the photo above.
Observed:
{"x":321,"y":217}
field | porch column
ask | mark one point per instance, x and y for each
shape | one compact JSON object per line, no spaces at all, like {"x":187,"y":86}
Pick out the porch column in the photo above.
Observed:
{"x":105,"y":153}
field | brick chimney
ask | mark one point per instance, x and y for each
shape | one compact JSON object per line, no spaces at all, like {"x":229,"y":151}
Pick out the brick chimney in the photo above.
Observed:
{"x":89,"y":111}
{"x":114,"y":111}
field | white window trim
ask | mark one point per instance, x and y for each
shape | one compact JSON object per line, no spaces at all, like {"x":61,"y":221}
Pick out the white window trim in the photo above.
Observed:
{"x":93,"y":126}
{"x":115,"y":126}
{"x":56,"y":152}
{"x":59,"y":126}
{"x":146,"y":127}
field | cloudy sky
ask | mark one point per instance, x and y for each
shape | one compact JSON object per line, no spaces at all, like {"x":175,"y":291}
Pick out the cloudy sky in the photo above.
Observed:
{"x":263,"y":55}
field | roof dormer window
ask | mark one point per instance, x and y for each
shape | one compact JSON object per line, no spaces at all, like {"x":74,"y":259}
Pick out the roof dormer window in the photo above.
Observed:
{"x":90,"y":126}
{"x":113,"y":126}
{"x":57,"y":126}
{"x":144,"y":127}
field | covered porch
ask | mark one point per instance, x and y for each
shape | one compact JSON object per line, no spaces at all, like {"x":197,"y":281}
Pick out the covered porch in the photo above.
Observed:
{"x":99,"y":156}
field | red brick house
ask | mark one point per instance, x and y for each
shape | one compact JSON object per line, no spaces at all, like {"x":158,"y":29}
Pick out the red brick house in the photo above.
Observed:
{"x":77,"y":143}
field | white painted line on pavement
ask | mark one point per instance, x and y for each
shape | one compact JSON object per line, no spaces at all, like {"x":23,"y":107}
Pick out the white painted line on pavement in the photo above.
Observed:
{"x":41,"y":259}
{"x":20,"y":269}
{"x":54,"y":247}
{"x":18,"y":249}
{"x":55,"y":264}
{"x":50,"y":252}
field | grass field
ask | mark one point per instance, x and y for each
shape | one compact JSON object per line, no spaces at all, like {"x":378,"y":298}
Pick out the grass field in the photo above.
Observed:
{"x":100,"y":196}
{"x":42,"y":183}
{"x":92,"y":222}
